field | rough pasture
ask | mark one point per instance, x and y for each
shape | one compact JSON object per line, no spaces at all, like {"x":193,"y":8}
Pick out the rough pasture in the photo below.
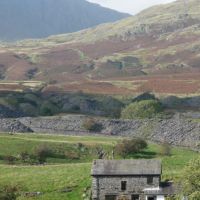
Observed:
{"x":60,"y":179}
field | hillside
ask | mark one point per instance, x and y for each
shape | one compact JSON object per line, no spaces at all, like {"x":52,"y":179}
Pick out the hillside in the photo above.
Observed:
{"x":68,"y":177}
{"x":21,"y":19}
{"x":157,"y":50}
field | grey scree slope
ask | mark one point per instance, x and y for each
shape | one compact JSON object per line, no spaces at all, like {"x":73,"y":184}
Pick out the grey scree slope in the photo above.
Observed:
{"x":126,"y":167}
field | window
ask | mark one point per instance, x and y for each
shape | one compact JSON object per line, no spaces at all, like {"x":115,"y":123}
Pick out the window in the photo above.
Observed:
{"x":123,"y":185}
{"x":149,"y":180}
{"x":110,"y":197}
{"x":135,"y":197}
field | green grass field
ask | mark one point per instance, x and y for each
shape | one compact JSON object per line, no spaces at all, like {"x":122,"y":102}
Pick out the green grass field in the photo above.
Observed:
{"x":64,"y":174}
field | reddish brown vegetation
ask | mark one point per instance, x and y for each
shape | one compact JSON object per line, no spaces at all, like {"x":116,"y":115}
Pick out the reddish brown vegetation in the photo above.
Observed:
{"x":166,"y":84}
{"x":170,"y":67}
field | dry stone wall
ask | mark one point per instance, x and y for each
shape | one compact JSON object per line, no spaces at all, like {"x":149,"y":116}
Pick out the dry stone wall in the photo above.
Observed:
{"x":13,"y":125}
{"x":177,"y":130}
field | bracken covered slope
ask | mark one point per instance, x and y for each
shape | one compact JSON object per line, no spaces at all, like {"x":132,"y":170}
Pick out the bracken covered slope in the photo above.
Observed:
{"x":157,"y":50}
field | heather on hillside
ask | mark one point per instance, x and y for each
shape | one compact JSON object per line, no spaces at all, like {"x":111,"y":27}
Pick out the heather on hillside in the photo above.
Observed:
{"x":156,"y":51}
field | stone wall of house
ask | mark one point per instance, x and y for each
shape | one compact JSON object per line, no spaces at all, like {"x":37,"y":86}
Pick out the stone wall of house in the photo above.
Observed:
{"x":111,"y":185}
{"x":95,"y":188}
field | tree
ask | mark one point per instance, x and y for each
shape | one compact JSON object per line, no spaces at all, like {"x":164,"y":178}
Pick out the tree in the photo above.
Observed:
{"x":165,"y":149}
{"x":100,"y":152}
{"x":126,"y":147}
{"x":24,"y":156}
{"x":91,"y":125}
{"x":9,"y":159}
{"x":9,"y":193}
{"x":47,"y":108}
{"x":142,"y":109}
{"x":42,"y":152}
{"x":191,"y":180}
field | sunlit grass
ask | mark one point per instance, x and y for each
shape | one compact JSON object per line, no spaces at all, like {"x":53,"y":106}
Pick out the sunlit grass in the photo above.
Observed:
{"x":61,"y":174}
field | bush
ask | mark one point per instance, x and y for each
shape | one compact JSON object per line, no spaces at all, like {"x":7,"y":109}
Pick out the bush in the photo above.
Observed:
{"x":42,"y":152}
{"x":165,"y":149}
{"x":47,"y":109}
{"x":9,"y":193}
{"x":127,"y":147}
{"x":81,"y":147}
{"x":191,"y":180}
{"x":28,"y":109}
{"x":32,"y":98}
{"x":72,"y":155}
{"x":9,"y":159}
{"x":111,"y":106}
{"x":91,"y":125}
{"x":25,"y":157}
{"x":9,"y":101}
{"x":142,"y":109}
{"x":12,"y":101}
{"x":100,"y":152}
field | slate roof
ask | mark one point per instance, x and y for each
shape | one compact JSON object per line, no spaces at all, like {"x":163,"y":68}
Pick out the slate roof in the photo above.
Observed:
{"x":126,"y":167}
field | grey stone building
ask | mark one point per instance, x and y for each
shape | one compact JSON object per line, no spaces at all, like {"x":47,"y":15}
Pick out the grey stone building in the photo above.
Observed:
{"x":129,"y":180}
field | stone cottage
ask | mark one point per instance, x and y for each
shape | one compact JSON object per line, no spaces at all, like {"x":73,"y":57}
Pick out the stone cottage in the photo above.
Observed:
{"x":129,"y":180}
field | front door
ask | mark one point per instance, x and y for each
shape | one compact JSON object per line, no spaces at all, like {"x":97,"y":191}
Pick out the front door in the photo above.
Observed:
{"x":135,"y":197}
{"x":151,"y":198}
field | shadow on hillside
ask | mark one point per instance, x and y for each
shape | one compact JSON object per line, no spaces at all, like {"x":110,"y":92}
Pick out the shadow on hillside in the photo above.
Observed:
{"x":35,"y":104}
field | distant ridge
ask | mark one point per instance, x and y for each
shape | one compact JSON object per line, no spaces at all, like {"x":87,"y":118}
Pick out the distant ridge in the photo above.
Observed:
{"x":22,"y":19}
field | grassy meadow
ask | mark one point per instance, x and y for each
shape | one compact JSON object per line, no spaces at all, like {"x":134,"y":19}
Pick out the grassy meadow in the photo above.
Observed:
{"x":64,"y":178}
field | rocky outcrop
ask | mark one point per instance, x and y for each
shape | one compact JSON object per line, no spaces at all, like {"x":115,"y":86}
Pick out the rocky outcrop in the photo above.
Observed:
{"x":13,"y":125}
{"x":176,"y":131}
{"x":181,"y":129}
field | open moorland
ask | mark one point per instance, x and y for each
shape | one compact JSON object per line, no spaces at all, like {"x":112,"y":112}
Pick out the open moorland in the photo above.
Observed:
{"x":68,"y":176}
{"x":157,"y":51}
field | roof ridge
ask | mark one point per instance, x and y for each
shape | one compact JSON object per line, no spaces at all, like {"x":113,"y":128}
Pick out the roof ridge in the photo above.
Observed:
{"x":127,"y":167}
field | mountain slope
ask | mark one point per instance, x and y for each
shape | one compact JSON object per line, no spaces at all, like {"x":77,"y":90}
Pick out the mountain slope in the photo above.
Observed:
{"x":22,"y":19}
{"x":157,"y":50}
{"x":157,"y":19}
